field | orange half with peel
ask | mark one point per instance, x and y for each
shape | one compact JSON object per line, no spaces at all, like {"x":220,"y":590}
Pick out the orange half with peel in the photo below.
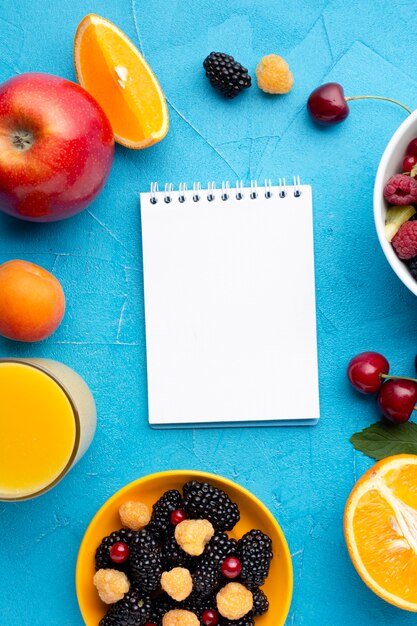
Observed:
{"x":113,"y":71}
{"x":381,"y":529}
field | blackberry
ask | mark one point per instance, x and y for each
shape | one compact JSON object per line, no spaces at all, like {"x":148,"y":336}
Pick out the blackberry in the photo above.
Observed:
{"x":255,"y":555}
{"x":160,"y":524}
{"x":260,"y":602}
{"x":204,"y":501}
{"x":196,"y":604}
{"x":207,"y":575}
{"x":133,"y":610}
{"x":247,"y":620}
{"x":226,"y":74}
{"x":161,"y":605}
{"x":146,"y":563}
{"x":102,"y":558}
{"x":144,"y":540}
{"x":412,"y":266}
{"x":175,"y":556}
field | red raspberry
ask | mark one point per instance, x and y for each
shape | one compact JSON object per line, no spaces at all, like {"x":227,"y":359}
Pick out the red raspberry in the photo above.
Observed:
{"x":401,"y":189}
{"x":405,"y":241}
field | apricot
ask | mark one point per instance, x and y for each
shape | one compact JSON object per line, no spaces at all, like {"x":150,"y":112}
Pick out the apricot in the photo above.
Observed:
{"x":32,"y":301}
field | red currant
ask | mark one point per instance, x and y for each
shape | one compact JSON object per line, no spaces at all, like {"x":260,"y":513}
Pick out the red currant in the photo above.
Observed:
{"x":396,"y":399}
{"x":365,"y":369}
{"x":119,"y":552}
{"x":178,"y":516}
{"x":412,"y":147}
{"x":150,"y":624}
{"x":210,"y":618}
{"x":409,"y":162}
{"x":231,"y":567}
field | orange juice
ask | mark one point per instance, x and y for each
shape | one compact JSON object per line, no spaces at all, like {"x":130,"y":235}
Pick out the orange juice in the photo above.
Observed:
{"x":41,"y":425}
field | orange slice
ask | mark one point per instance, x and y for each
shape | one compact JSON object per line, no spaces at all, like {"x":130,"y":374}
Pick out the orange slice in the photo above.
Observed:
{"x":381,"y":529}
{"x":112,"y":69}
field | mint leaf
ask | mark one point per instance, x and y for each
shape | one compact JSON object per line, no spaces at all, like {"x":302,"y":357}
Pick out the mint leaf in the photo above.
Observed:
{"x":381,"y":440}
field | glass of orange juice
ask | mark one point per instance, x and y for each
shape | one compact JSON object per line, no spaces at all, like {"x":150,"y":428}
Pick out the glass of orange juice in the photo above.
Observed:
{"x":47,"y":422}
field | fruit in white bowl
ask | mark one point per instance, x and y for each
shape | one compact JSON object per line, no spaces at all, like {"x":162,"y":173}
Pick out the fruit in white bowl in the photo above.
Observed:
{"x":56,"y":147}
{"x":392,"y":163}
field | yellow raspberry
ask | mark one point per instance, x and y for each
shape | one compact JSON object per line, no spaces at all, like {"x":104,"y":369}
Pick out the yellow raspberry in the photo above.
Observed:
{"x":274,"y":75}
{"x":234,"y":601}
{"x":134,"y":515}
{"x":111,"y":585}
{"x":193,"y":535}
{"x":180,"y":618}
{"x":177,"y":583}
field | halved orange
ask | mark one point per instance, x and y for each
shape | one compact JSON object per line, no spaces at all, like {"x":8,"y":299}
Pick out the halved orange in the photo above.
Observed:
{"x":381,"y":529}
{"x":112,"y":69}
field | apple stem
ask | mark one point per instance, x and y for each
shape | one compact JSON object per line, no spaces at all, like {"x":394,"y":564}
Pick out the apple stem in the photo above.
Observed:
{"x":387,"y":376}
{"x":379,"y":98}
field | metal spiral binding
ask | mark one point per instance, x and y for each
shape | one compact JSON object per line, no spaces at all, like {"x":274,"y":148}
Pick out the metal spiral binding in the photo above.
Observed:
{"x":297,"y":190}
{"x":169,"y":188}
{"x":196,"y":192}
{"x":226,"y":192}
{"x":211,"y":187}
{"x":268,"y":188}
{"x":154,"y":191}
{"x":181,"y":192}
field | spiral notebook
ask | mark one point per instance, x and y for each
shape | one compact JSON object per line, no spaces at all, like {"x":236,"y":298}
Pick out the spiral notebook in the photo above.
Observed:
{"x":230,"y":305}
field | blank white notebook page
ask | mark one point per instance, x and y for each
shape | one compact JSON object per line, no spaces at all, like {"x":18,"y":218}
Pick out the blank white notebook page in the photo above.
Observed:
{"x":230,"y":308}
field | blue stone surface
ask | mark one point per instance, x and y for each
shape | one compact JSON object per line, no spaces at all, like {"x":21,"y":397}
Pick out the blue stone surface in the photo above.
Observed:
{"x":303,"y":475}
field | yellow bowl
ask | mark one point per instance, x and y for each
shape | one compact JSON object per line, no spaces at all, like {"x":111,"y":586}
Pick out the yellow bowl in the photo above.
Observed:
{"x":148,"y":489}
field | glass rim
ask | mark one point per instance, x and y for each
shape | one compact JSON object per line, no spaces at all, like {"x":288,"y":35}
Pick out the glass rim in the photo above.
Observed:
{"x":77,"y":438}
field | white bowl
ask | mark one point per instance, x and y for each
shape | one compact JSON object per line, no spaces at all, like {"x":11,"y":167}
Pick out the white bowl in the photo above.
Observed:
{"x":390,"y":164}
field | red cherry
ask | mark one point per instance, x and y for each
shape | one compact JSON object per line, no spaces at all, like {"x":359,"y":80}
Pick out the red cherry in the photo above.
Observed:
{"x":210,"y":618}
{"x":327,"y":104}
{"x":396,"y":399}
{"x":365,"y":369}
{"x":409,"y":162}
{"x":150,"y":624}
{"x":119,"y":552}
{"x":231,"y":567}
{"x":178,"y":516}
{"x":412,"y":147}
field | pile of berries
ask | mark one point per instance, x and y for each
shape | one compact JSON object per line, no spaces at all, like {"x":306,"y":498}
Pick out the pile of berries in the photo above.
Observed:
{"x":397,"y":396}
{"x":401,"y":225}
{"x":231,"y":78}
{"x":177,"y":566}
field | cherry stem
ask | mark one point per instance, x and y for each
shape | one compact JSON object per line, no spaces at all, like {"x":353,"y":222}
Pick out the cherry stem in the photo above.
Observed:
{"x":379,"y":98}
{"x":387,"y":376}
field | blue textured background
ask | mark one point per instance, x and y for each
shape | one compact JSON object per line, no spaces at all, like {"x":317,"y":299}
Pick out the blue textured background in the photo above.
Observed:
{"x":303,"y":474}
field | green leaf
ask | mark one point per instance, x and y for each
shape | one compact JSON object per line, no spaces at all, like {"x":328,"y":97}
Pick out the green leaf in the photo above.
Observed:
{"x":413,"y":172}
{"x":381,"y":440}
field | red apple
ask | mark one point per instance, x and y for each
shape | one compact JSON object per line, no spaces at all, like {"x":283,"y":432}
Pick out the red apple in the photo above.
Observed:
{"x":56,"y":147}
